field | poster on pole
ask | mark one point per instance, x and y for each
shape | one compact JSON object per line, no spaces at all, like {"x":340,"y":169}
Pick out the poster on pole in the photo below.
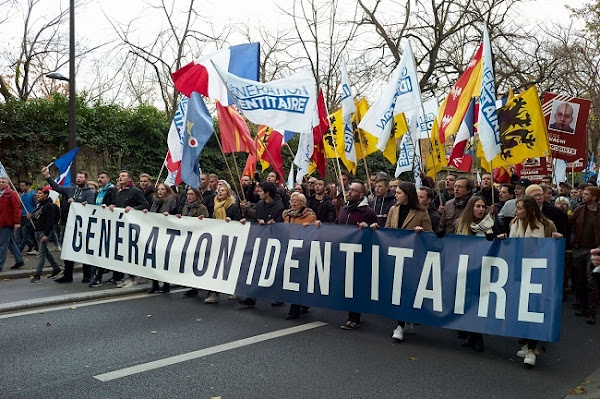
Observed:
{"x":567,"y":118}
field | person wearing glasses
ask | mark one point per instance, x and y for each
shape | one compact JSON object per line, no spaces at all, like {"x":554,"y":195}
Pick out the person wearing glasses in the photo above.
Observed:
{"x":463,"y":187}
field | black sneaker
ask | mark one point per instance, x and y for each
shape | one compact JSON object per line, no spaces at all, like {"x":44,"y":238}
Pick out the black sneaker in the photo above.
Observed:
{"x":248,"y":302}
{"x":35,"y":279}
{"x":17,"y":265}
{"x":350,"y":325}
{"x":277,"y":303}
{"x":85,"y":280}
{"x":64,"y":279}
{"x":191,"y":293}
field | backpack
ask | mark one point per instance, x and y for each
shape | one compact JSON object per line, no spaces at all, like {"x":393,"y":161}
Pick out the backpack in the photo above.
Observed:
{"x":56,"y":210}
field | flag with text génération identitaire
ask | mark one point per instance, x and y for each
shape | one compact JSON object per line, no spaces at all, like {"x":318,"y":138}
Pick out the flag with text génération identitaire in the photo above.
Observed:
{"x":241,"y":60}
{"x":401,"y":94}
{"x":199,"y":126}
{"x":487,"y":118}
{"x":284,"y":104}
{"x":454,"y":106}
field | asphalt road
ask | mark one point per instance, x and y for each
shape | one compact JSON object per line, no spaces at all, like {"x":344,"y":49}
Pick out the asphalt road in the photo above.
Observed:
{"x":67,"y":354}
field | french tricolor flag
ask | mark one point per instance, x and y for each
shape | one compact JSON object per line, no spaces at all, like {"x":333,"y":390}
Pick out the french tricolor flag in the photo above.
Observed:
{"x":241,"y":60}
{"x":64,"y":167}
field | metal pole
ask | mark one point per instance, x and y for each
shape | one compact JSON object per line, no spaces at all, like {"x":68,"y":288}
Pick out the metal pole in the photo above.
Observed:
{"x":72,"y":99}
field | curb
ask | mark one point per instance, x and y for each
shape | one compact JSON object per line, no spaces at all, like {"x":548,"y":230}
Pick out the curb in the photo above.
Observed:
{"x":26,"y":273}
{"x":588,"y":389}
{"x":71,"y":298}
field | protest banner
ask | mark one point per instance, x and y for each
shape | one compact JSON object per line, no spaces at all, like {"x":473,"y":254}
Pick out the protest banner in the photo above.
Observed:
{"x":511,"y":287}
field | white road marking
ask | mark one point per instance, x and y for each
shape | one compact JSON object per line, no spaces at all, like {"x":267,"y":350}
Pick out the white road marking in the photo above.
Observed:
{"x":83,"y":304}
{"x":140,"y":368}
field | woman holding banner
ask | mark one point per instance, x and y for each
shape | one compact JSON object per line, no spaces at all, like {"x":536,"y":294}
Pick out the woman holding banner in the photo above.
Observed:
{"x":298,"y":213}
{"x":227,"y":209}
{"x":165,"y":203}
{"x":406,"y":214}
{"x":475,"y":220}
{"x":530,"y":222}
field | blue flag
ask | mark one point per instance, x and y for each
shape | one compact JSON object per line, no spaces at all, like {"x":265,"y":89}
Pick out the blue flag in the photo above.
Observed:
{"x":590,"y":169}
{"x":64,"y":167}
{"x":199,"y":126}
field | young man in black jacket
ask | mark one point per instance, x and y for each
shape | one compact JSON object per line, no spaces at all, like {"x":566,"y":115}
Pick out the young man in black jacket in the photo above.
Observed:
{"x":44,"y":217}
{"x":321,"y":203}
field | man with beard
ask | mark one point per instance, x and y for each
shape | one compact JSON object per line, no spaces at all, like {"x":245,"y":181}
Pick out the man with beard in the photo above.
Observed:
{"x":321,"y":203}
{"x":447,"y":193}
{"x":80,"y":193}
{"x":463,"y":187}
{"x":356,"y":212}
{"x":382,"y":201}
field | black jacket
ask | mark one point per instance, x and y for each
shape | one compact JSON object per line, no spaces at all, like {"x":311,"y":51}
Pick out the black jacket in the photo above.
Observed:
{"x":324,"y":209}
{"x":382,"y":206}
{"x":132,"y":197}
{"x":272,"y":210}
{"x":44,"y":216}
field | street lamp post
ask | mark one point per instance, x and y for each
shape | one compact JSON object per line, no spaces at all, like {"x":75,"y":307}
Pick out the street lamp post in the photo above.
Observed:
{"x":71,"y":80}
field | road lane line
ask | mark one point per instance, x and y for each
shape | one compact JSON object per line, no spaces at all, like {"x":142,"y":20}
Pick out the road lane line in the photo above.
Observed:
{"x":168,"y":361}
{"x":91,"y":302}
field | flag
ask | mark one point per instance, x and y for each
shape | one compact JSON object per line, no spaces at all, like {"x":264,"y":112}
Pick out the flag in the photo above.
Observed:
{"x":235,"y":135}
{"x":271,"y":154}
{"x":318,"y":155}
{"x":199,"y":126}
{"x":401,"y":94}
{"x":63,"y":164}
{"x":284,"y":104}
{"x":175,"y":136}
{"x":241,"y":60}
{"x":332,"y":140}
{"x":348,"y":108}
{"x":590,"y":169}
{"x":436,"y":159}
{"x":465,"y":132}
{"x":303,"y":155}
{"x":487,"y":118}
{"x":250,"y":167}
{"x":455,"y":105}
{"x":523,"y":132}
{"x":3,"y":171}
{"x":290,"y":180}
{"x":560,"y":171}
{"x":399,"y":128}
{"x":409,"y":157}
{"x":366,"y":143}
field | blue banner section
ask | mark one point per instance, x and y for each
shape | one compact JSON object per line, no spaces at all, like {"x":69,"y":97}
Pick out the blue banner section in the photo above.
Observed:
{"x":511,"y":287}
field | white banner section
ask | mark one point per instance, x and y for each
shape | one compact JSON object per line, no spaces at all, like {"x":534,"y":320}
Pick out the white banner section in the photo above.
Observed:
{"x":204,"y":254}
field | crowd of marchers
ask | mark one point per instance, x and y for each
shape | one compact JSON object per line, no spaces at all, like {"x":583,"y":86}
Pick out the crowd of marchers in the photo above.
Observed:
{"x":456,"y":205}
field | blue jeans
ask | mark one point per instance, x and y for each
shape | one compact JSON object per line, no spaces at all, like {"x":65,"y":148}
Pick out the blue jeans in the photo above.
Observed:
{"x":44,"y":254}
{"x":7,"y":243}
{"x":26,"y":235}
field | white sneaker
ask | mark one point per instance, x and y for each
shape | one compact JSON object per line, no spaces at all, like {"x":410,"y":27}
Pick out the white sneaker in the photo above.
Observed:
{"x":529,"y":358}
{"x":596,"y":269}
{"x":233,"y":297}
{"x":127,"y":284}
{"x":61,"y":274}
{"x":212,"y":298}
{"x":523,"y":352}
{"x":398,"y":334}
{"x":409,"y":328}
{"x":32,"y":252}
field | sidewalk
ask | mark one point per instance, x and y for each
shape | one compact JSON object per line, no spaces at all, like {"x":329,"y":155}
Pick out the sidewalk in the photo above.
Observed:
{"x":17,"y":293}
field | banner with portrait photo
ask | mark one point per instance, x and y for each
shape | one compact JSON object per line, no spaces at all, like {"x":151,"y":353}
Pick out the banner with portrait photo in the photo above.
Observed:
{"x":566,"y":118}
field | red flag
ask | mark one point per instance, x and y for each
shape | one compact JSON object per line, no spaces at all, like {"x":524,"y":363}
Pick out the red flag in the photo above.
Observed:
{"x":318,"y":154}
{"x":272,"y":153}
{"x":462,"y":163}
{"x":235,"y":136}
{"x":452,"y":110}
{"x":250,"y":167}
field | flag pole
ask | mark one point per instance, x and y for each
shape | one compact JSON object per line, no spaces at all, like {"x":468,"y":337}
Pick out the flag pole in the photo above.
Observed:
{"x":239,"y":175}
{"x":439,"y":192}
{"x":161,"y":170}
{"x":360,"y":138}
{"x":338,"y":172}
{"x":227,"y":164}
{"x":16,"y":191}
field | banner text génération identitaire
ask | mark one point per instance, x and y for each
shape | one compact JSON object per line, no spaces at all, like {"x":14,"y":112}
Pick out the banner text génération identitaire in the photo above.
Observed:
{"x":511,"y":287}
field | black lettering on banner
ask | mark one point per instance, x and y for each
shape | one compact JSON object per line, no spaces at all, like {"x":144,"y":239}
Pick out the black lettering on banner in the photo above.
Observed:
{"x":172,"y":234}
{"x":118,"y":240}
{"x":133,"y":242}
{"x":150,"y":251}
{"x":206,"y":237}
{"x":89,"y":235}
{"x":77,"y":234}
{"x":225,"y":257}
{"x":104,"y":238}
{"x":184,"y":252}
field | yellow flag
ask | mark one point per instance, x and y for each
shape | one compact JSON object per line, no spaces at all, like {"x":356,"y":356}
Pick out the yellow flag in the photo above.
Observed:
{"x":366,"y":143}
{"x":331,"y":137}
{"x":523,"y":132}
{"x":399,"y":128}
{"x":436,"y":160}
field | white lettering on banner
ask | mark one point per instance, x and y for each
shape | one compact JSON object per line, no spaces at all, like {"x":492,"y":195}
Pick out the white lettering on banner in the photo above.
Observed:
{"x":350,"y":250}
{"x":290,"y":263}
{"x":319,"y":265}
{"x":400,"y":254}
{"x":461,"y":284}
{"x":270,"y":266}
{"x":375,"y":273}
{"x":528,"y":288}
{"x":432,"y":266}
{"x":497,"y":287}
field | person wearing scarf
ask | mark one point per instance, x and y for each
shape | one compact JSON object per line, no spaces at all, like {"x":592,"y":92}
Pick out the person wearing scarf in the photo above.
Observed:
{"x":406,"y":214}
{"x":225,"y":208}
{"x":475,"y":220}
{"x":530,"y":222}
{"x":298,"y":214}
